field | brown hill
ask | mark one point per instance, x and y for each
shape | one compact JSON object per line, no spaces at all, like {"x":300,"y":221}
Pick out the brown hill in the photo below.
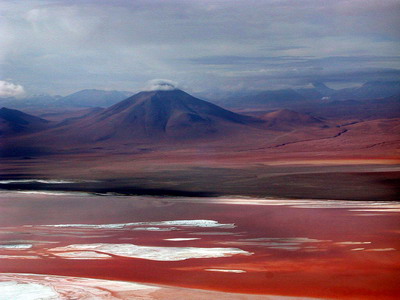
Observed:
{"x":285,"y":119}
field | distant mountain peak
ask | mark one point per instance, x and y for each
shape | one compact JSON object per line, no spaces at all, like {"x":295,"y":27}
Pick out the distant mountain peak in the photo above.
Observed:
{"x":382,"y":83}
{"x":94,"y":98}
{"x":321,"y":86}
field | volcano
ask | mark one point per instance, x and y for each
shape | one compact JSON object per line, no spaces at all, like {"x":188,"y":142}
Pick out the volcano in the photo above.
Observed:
{"x":158,"y":115}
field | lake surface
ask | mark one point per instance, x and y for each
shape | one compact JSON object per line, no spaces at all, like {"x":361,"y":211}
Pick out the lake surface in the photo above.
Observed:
{"x":81,"y":246}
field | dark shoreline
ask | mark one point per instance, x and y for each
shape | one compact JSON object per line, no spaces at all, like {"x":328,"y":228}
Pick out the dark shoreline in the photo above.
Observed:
{"x":121,"y":188}
{"x":98,"y":190}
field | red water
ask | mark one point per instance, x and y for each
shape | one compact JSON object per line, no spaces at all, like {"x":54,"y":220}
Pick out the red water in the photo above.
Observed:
{"x":297,"y":251}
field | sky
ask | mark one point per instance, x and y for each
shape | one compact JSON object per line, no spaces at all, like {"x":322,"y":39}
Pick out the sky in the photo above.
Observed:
{"x":225,"y":46}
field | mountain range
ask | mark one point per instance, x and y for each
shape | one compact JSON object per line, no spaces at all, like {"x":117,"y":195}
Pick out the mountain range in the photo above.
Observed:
{"x":174,"y":119}
{"x":81,"y":99}
{"x":319,"y":93}
{"x":152,"y":117}
{"x":284,"y":98}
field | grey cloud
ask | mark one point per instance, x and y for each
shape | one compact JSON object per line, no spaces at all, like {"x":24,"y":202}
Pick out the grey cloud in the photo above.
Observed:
{"x":160,"y":85}
{"x":286,"y":79}
{"x":245,"y":60}
{"x":59,"y":46}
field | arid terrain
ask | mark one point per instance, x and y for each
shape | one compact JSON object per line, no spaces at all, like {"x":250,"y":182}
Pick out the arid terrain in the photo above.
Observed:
{"x":170,"y":142}
{"x":166,"y":196}
{"x":213,"y":149}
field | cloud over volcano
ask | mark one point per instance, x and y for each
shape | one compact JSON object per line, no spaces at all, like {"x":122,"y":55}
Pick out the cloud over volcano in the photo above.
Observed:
{"x":160,"y":85}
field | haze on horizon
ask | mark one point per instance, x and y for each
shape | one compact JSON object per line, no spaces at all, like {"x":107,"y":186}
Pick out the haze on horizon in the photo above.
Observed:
{"x":61,"y":46}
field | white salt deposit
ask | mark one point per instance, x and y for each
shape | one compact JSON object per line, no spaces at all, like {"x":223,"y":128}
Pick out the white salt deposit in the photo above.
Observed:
{"x":181,"y":239}
{"x":290,"y":244}
{"x":49,"y":287}
{"x":50,"y":181}
{"x":90,"y":226}
{"x":18,"y":257}
{"x":152,"y":253}
{"x":82,"y":255}
{"x":193,"y":223}
{"x":155,"y":228}
{"x":381,"y":250}
{"x":12,"y":290}
{"x":365,"y":206}
{"x":384,"y":209}
{"x":285,"y":240}
{"x":16,"y":246}
{"x":374,"y":250}
{"x":352,"y":243}
{"x":225,"y":270}
{"x":152,"y":225}
{"x":214,"y":233}
{"x":51,"y":193}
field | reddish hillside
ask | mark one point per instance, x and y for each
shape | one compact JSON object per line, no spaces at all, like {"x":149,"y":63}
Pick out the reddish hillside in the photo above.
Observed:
{"x":285,"y":119}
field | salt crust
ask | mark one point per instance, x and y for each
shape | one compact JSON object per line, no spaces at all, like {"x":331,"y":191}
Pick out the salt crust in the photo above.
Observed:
{"x":149,"y":252}
{"x":181,"y":239}
{"x":149,"y":225}
{"x":225,"y":270}
{"x":51,"y":287}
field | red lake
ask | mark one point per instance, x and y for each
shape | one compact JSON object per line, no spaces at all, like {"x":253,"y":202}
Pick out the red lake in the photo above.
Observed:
{"x":126,"y":247}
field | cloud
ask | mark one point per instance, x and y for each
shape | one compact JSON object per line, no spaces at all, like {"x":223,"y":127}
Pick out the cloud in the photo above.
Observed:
{"x":8,"y":89}
{"x":160,"y":85}
{"x":58,"y":46}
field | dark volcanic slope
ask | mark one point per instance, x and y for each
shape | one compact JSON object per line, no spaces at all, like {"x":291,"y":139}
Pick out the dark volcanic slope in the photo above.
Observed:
{"x":158,"y":115}
{"x":14,"y":122}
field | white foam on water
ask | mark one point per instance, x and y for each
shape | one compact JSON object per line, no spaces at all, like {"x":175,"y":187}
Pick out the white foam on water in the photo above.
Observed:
{"x":225,"y":270}
{"x":151,"y":252}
